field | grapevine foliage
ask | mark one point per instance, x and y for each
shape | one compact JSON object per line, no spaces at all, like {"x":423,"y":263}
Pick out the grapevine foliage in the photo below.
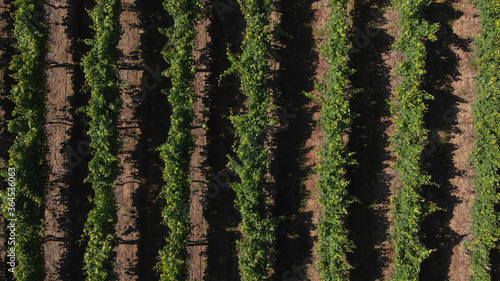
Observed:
{"x":335,"y":120}
{"x":27,"y":155}
{"x":100,"y":68}
{"x":252,"y":129}
{"x":410,"y":137}
{"x":486,"y":153}
{"x":176,"y":152}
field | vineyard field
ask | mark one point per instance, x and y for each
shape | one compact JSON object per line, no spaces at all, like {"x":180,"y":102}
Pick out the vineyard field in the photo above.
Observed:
{"x":249,"y":140}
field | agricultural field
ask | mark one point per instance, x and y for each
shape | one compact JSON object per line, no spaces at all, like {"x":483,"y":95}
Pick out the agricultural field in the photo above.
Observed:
{"x":226,"y":140}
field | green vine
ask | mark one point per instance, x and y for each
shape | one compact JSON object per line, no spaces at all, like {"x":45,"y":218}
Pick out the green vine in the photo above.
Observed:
{"x":336,"y":118}
{"x":409,"y":140}
{"x":27,"y":154}
{"x":486,"y":153}
{"x":100,"y":68}
{"x":252,"y":129}
{"x":176,"y":152}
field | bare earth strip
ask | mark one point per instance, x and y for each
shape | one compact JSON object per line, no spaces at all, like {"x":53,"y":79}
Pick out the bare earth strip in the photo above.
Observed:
{"x":198,"y":244}
{"x":371,"y":179}
{"x":131,"y":73}
{"x":388,"y":176}
{"x":59,"y":123}
{"x":462,"y":138}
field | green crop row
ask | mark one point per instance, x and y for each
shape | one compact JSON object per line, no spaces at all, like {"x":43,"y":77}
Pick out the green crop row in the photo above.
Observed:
{"x":486,"y":154}
{"x":336,"y":118}
{"x":252,"y":129}
{"x":24,"y":202}
{"x":176,"y":152}
{"x":100,"y":68}
{"x":410,"y":137}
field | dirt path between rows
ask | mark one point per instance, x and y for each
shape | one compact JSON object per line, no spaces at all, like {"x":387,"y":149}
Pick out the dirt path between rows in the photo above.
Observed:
{"x":296,"y":139}
{"x":153,"y":116}
{"x":198,"y":241}
{"x":462,"y":137}
{"x":130,"y":73}
{"x":374,"y":62}
{"x":60,"y":67}
{"x":225,"y":31}
{"x":450,"y":79}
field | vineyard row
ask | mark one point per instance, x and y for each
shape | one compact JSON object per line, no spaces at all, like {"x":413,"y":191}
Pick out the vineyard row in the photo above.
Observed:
{"x":27,"y":154}
{"x":486,"y":153}
{"x":409,"y":140}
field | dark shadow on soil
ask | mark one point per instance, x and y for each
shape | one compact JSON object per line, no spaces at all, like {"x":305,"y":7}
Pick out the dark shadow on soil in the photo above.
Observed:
{"x":226,"y":31}
{"x":6,"y":106}
{"x":293,"y":246}
{"x":495,"y":264}
{"x":368,"y":225}
{"x":153,"y":114}
{"x":6,"y":80}
{"x":441,"y":118}
{"x":77,"y":149}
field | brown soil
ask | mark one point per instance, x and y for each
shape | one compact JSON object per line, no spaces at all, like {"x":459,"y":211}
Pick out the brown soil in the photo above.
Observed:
{"x":374,"y":62}
{"x":131,"y":73}
{"x":198,"y":241}
{"x":462,"y":137}
{"x":59,"y":124}
{"x":450,"y":80}
{"x":68,"y":146}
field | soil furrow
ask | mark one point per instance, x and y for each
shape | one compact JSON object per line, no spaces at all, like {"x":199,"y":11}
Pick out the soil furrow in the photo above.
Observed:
{"x":130,"y":73}
{"x":198,"y":240}
{"x":372,"y":61}
{"x":225,"y":31}
{"x":462,"y":137}
{"x":296,"y":56}
{"x":59,"y":124}
{"x":450,"y":79}
{"x":153,"y":116}
{"x":312,"y":144}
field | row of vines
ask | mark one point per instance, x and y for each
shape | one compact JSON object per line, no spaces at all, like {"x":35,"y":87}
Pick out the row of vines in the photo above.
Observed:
{"x":486,"y":154}
{"x":27,"y":178}
{"x":409,"y":139}
{"x":336,"y":118}
{"x":176,"y":152}
{"x":100,"y":68}
{"x":252,"y":130}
